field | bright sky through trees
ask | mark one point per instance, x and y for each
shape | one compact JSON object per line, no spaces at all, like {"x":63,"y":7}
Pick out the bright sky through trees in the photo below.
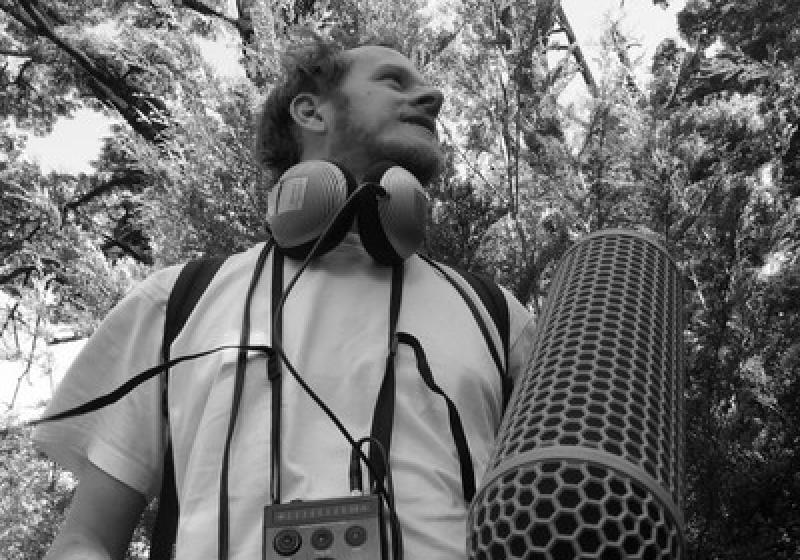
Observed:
{"x":74,"y":142}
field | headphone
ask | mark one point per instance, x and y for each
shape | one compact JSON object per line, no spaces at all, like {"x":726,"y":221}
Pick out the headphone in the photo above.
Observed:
{"x":321,"y":198}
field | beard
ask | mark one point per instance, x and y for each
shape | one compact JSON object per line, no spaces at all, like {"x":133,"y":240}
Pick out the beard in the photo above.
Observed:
{"x":423,"y":159}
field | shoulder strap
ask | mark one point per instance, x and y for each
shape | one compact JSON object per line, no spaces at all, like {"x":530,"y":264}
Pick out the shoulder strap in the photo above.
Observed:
{"x":496,"y":305}
{"x":192,"y":281}
{"x":494,"y":301}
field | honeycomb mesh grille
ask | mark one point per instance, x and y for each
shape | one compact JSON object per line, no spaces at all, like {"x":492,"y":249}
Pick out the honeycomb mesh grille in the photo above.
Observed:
{"x":606,"y":380}
{"x":564,"y":510}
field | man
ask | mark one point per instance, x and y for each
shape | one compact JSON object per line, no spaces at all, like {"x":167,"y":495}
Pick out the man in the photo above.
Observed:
{"x":354,"y":107}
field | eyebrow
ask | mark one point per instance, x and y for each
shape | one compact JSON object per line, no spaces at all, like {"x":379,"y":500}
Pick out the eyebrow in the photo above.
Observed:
{"x":406,"y":72}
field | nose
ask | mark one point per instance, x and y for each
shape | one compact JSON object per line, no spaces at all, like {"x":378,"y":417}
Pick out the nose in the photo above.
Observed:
{"x":430,"y":100}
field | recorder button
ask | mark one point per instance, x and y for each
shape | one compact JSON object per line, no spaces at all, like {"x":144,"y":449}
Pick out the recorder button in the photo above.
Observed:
{"x":322,"y":539}
{"x":287,"y":542}
{"x":355,"y":535}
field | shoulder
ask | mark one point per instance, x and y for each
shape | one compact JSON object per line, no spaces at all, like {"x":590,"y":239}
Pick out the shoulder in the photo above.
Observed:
{"x":480,"y":287}
{"x":157,"y":286}
{"x":220,"y":268}
{"x":234,"y":265}
{"x":513,"y":321}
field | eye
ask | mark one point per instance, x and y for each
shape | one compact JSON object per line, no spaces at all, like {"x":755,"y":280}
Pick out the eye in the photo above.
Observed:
{"x":394,"y":79}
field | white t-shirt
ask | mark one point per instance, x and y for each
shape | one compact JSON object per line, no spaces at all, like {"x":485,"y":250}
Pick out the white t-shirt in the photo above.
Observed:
{"x":335,"y":333}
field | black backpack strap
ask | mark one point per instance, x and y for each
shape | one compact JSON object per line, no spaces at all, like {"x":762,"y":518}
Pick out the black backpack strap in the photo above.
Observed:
{"x":192,"y":281}
{"x":496,"y":305}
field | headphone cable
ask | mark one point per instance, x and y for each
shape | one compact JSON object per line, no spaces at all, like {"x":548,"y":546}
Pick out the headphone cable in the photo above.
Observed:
{"x":381,"y":489}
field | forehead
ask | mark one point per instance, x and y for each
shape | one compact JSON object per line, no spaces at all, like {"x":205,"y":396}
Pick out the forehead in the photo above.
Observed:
{"x":367,"y":59}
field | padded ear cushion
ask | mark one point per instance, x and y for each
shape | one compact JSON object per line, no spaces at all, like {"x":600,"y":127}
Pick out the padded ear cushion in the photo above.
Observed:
{"x":304,"y":201}
{"x":392,"y":213}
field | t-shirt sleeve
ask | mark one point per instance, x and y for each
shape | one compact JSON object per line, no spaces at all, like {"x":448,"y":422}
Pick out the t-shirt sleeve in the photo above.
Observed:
{"x":126,"y":438}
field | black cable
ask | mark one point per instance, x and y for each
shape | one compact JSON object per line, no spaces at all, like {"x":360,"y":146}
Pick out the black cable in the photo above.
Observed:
{"x":115,"y":395}
{"x":328,"y":412}
{"x":394,"y":521}
{"x":238,"y":388}
{"x":278,"y":346}
{"x":277,"y":343}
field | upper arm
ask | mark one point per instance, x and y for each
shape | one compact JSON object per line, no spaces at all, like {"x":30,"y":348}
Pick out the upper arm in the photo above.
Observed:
{"x":101,"y":519}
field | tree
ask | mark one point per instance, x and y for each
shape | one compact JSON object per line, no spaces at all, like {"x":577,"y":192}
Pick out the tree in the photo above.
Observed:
{"x":514,"y":154}
{"x":723,"y":124}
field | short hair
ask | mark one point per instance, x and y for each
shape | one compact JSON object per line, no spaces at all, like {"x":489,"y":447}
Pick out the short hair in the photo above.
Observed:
{"x":315,"y":65}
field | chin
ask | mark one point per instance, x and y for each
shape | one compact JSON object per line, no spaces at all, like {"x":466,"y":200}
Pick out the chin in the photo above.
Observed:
{"x":424,"y":160}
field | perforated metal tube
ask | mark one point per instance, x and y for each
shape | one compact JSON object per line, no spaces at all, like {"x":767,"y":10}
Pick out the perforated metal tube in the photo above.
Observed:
{"x":589,"y":458}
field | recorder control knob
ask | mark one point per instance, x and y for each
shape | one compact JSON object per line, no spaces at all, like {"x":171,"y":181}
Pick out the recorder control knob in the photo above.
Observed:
{"x":322,"y":538}
{"x":287,"y":542}
{"x":356,"y":535}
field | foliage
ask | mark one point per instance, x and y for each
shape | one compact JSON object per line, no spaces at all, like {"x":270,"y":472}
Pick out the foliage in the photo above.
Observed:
{"x":513,"y":155}
{"x":33,"y":489}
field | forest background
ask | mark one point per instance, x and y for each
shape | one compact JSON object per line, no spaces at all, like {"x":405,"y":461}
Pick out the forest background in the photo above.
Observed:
{"x":707,"y":154}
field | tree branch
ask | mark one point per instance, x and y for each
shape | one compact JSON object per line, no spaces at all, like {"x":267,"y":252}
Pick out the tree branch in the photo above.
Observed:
{"x":18,"y":54}
{"x":19,"y":271}
{"x":66,"y":339}
{"x":202,"y":8}
{"x":44,"y":29}
{"x":12,"y":313}
{"x":27,"y":270}
{"x":684,"y":72}
{"x":601,"y":113}
{"x":577,"y":52}
{"x":620,"y":47}
{"x":131,"y":179}
{"x":127,"y":249}
{"x":468,"y":161}
{"x":243,"y":24}
{"x":108,"y":88}
{"x":28,"y":362}
{"x":20,"y":80}
{"x":20,"y":16}
{"x":444,"y":41}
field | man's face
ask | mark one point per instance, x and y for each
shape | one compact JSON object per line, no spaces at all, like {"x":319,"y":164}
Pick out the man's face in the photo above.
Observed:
{"x":384,"y":110}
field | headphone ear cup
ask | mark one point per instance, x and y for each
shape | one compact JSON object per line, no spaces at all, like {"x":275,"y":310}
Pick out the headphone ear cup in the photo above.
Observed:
{"x":303,"y":202}
{"x":391,"y":219}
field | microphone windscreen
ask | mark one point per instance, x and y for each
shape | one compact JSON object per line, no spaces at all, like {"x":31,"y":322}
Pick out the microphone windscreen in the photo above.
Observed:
{"x":588,"y":462}
{"x":305,"y":199}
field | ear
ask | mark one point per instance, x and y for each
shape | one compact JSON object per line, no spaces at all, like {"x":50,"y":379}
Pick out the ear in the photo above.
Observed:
{"x":306,"y":112}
